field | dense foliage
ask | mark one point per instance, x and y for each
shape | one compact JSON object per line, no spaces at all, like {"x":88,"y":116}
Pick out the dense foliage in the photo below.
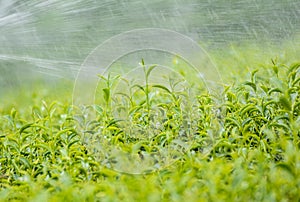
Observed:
{"x":240,"y":146}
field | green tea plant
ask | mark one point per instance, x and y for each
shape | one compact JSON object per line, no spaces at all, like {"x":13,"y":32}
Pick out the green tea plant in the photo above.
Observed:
{"x":240,"y":146}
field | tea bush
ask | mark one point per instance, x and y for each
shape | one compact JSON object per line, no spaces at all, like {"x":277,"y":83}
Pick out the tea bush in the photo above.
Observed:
{"x":240,"y":146}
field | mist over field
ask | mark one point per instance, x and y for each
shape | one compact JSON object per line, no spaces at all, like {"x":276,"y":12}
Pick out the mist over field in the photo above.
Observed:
{"x":52,"y":38}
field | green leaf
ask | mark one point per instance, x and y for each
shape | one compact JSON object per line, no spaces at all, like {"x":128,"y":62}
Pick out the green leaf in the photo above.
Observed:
{"x":151,"y":68}
{"x":232,"y":121}
{"x":251,"y":84}
{"x":287,"y":167}
{"x":25,"y":127}
{"x":142,"y":62}
{"x":112,"y":122}
{"x":72,"y":135}
{"x":285,"y":102}
{"x":134,"y":109}
{"x":264,"y":88}
{"x":274,"y":90}
{"x":13,"y":113}
{"x":275,"y":69}
{"x":253,"y":76}
{"x":139,"y":86}
{"x":295,"y":81}
{"x":106,"y":95}
{"x":73,"y":142}
{"x":162,"y":87}
{"x":248,"y":109}
{"x":102,"y":77}
{"x":25,"y":162}
{"x":98,"y":109}
{"x":294,"y":68}
{"x":280,"y":125}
